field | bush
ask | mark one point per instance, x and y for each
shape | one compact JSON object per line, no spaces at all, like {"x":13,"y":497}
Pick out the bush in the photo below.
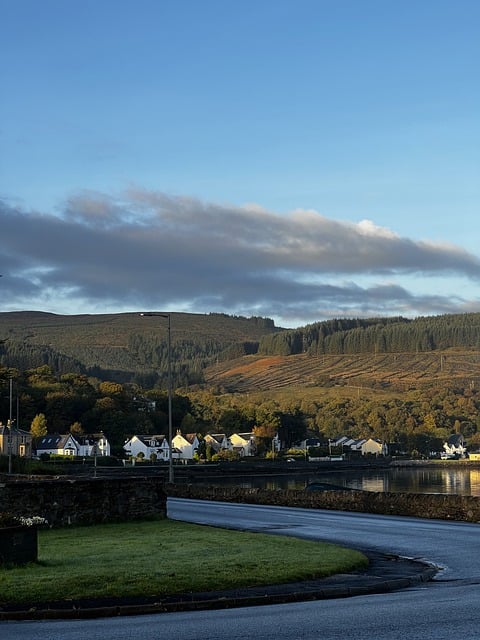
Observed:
{"x":298,"y":454}
{"x":225,"y":455}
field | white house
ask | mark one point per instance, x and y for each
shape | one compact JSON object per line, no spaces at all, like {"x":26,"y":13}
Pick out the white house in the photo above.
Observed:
{"x":375,"y":447}
{"x":244,"y":444}
{"x":69,"y":445}
{"x":95,"y":444}
{"x":217,"y":441}
{"x":103,"y":445}
{"x":186,"y":445}
{"x":455,"y":446}
{"x":345,"y":442}
{"x":56,"y":444}
{"x":148,"y":445}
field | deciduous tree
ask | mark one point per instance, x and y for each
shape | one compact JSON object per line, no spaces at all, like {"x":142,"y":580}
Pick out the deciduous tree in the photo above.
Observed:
{"x":38,"y":428}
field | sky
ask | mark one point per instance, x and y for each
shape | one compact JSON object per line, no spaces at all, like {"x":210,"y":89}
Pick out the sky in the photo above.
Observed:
{"x":299,"y":160}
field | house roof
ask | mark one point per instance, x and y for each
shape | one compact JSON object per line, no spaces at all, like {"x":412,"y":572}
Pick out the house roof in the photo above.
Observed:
{"x":189,"y":437}
{"x":245,"y":437}
{"x":218,"y":437}
{"x":314,"y":442}
{"x":4,"y":429}
{"x":215,"y":441}
{"x":358,"y":443}
{"x":148,"y":439}
{"x":350,"y":442}
{"x":53,"y":441}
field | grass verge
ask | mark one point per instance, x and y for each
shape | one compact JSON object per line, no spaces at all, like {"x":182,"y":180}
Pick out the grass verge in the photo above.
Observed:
{"x":164,"y":557}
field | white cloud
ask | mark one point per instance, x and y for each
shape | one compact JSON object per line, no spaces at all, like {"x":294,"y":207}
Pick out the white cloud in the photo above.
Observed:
{"x":368,"y":228}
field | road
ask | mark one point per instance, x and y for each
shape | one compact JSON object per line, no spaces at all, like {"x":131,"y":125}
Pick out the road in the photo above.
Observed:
{"x":440,"y":610}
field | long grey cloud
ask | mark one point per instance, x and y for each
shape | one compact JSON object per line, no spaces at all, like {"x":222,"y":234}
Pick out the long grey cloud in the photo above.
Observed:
{"x":146,"y":249}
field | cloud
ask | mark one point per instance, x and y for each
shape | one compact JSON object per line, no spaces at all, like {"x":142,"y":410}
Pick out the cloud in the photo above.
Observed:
{"x":145,"y":249}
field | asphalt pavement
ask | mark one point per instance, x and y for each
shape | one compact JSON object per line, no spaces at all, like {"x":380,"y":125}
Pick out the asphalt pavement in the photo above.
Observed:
{"x":385,"y":573}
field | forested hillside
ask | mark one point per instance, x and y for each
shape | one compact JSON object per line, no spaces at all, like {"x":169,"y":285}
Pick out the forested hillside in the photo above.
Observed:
{"x":413,"y":382}
{"x":127,"y":347}
{"x":377,"y":335}
{"x":241,"y":354}
{"x":386,"y":353}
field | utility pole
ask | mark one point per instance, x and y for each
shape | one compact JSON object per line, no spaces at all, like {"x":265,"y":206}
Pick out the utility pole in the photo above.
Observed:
{"x":169,"y":374}
{"x":10,"y":422}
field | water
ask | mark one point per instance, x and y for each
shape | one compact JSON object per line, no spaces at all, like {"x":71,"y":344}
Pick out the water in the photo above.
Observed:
{"x":457,"y":481}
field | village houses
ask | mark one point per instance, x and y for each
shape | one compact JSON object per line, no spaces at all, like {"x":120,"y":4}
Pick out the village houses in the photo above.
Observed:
{"x":69,"y":445}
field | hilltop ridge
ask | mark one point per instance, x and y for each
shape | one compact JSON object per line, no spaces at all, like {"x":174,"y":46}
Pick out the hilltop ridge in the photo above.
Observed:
{"x":240,"y":354}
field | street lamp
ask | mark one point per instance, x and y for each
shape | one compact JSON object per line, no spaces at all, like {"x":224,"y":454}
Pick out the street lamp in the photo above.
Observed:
{"x":169,"y":365}
{"x":10,"y":423}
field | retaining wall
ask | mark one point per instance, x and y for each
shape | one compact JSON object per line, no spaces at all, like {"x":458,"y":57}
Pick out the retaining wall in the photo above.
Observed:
{"x":84,"y":501}
{"x":419,"y":505}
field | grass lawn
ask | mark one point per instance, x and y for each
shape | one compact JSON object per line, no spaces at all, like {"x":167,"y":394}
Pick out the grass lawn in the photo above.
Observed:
{"x":164,"y":557}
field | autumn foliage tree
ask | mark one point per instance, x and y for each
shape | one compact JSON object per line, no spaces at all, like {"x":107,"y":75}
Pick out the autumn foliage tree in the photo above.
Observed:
{"x":38,"y":428}
{"x":264,"y":435}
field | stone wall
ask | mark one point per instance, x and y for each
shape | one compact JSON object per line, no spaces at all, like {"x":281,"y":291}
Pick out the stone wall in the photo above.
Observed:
{"x":85,"y":501}
{"x":419,"y":505}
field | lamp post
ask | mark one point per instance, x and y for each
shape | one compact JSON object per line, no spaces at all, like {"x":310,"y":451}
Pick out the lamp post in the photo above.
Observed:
{"x":169,"y":374}
{"x":10,"y":423}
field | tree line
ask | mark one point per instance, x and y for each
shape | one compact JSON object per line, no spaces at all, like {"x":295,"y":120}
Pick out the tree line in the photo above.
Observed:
{"x":419,"y":421}
{"x":377,"y":335}
{"x":140,"y":357}
{"x":125,"y":348}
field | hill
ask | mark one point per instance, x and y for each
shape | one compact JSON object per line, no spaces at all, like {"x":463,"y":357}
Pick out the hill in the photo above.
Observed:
{"x":243,"y":355}
{"x":396,"y":372}
{"x":123,"y":346}
{"x":394,"y":354}
{"x":232,"y":373}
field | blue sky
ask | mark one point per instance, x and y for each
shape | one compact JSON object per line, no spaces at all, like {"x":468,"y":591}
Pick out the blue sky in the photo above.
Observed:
{"x":296,"y":159}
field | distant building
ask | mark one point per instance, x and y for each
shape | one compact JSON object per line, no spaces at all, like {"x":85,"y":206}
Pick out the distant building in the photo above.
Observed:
{"x":186,"y":445}
{"x":69,"y":445}
{"x":243,"y":444}
{"x":148,"y":445}
{"x":56,"y":444}
{"x":455,"y":446}
{"x":375,"y":447}
{"x":16,"y":442}
{"x":94,"y":444}
{"x":217,"y":441}
{"x":345,"y":443}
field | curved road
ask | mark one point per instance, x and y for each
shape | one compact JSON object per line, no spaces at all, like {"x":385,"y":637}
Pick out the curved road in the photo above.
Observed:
{"x":440,"y":610}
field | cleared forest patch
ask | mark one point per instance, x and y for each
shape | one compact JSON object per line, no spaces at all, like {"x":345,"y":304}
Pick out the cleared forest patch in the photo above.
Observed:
{"x":395,"y":371}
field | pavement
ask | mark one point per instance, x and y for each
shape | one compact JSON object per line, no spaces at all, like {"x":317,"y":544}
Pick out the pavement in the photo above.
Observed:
{"x":385,"y":573}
